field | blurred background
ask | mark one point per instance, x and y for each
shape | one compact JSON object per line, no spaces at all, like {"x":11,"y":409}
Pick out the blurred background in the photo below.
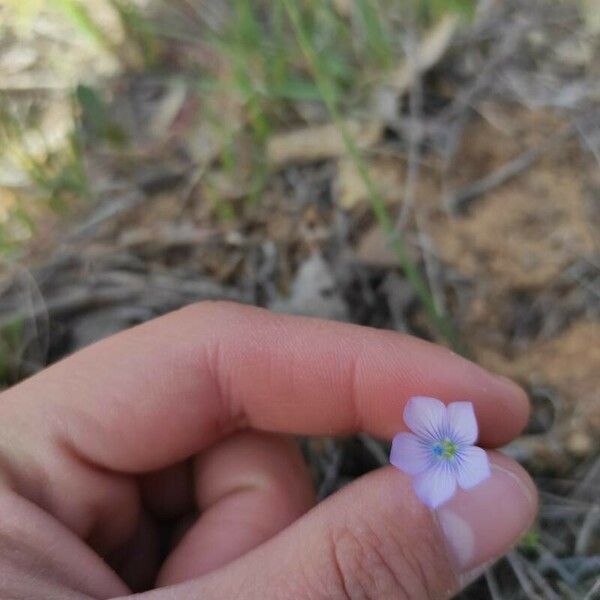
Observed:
{"x":427,"y":166}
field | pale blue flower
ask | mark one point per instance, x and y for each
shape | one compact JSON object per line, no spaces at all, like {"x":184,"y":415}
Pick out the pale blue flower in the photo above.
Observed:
{"x":439,"y":454}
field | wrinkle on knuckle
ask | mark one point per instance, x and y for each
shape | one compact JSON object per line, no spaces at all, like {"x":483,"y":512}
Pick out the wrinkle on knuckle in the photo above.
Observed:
{"x":214,"y":358}
{"x":379,"y":563}
{"x":353,"y":392}
{"x":230,"y":414}
{"x":364,"y":570}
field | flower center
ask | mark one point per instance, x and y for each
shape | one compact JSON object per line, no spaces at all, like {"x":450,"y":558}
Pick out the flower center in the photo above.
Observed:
{"x":445,"y":449}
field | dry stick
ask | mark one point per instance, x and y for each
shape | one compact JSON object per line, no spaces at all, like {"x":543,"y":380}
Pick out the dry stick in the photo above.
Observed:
{"x":594,"y":591}
{"x":586,"y":487}
{"x":35,"y":298}
{"x":375,"y":448}
{"x":591,"y":146}
{"x":493,"y":586}
{"x":586,"y":285}
{"x":413,"y":170}
{"x":115,"y":287}
{"x":462,"y":199}
{"x":454,"y":118}
{"x":331,"y":470}
{"x":415,"y":101}
{"x":467,"y":96}
{"x":587,"y":533}
{"x":514,"y":561}
{"x":538,"y":578}
{"x":549,"y":561}
{"x":105,"y":212}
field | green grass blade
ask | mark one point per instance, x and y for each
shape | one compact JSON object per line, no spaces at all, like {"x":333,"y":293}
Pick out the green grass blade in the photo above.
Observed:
{"x":378,"y":43}
{"x":81,"y":18}
{"x":441,"y":322}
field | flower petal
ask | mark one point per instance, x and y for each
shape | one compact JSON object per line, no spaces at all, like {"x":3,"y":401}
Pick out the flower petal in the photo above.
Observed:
{"x":435,"y":486}
{"x":462,"y":425}
{"x":473,"y":467}
{"x":409,"y":454}
{"x":425,"y":416}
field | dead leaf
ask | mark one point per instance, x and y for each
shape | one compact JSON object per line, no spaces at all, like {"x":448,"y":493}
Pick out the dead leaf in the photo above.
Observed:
{"x":166,"y":109}
{"x":8,"y":201}
{"x":320,"y":142}
{"x":431,"y":48}
{"x":350,"y":188}
{"x":18,"y":58}
{"x":343,"y":7}
{"x":314,"y":292}
{"x":374,"y":249}
{"x":591,"y":15}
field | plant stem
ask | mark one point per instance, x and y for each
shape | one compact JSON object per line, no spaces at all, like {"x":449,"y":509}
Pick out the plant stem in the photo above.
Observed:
{"x":442,"y":323}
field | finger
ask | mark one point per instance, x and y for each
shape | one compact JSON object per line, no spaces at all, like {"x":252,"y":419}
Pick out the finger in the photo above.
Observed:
{"x":42,"y":560}
{"x":374,"y":539}
{"x":161,"y":392}
{"x":248,"y":487}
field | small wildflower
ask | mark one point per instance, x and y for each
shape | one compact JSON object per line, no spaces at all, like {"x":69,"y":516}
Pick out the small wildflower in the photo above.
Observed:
{"x":439,"y":454}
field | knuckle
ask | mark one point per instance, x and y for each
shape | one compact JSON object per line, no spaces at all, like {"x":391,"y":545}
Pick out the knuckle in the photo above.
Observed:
{"x":378,"y":563}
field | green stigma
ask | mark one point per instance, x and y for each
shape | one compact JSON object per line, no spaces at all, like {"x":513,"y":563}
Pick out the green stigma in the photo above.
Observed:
{"x":445,"y":449}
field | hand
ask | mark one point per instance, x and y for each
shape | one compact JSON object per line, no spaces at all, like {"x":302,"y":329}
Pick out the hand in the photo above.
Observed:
{"x":194,"y":409}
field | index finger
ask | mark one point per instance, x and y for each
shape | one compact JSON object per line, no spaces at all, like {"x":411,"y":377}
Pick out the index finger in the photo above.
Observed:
{"x":160,"y":392}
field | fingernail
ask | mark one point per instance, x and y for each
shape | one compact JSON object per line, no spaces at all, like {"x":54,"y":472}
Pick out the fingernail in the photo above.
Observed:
{"x":499,"y":385}
{"x":512,"y":387}
{"x":482,"y":524}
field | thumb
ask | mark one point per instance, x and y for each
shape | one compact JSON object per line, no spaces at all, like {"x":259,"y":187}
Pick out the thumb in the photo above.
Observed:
{"x":374,"y":539}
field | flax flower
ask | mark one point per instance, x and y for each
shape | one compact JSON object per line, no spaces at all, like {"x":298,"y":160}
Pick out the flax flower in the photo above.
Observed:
{"x":439,"y":453}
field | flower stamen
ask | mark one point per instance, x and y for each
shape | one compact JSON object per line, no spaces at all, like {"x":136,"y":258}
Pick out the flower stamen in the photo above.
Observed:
{"x":445,"y":449}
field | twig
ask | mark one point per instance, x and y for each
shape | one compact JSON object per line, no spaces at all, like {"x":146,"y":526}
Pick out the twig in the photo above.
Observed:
{"x":514,"y":561}
{"x":538,"y":578}
{"x":493,"y":586}
{"x":105,"y":212}
{"x":331,"y":469}
{"x":415,"y":103}
{"x":466,"y":98}
{"x":587,"y":488}
{"x":548,"y":561}
{"x":414,"y":157}
{"x":374,"y":448}
{"x":593,"y":592}
{"x":585,"y":136}
{"x":586,"y":535}
{"x":427,"y":53}
{"x":453,"y":119}
{"x":462,"y":199}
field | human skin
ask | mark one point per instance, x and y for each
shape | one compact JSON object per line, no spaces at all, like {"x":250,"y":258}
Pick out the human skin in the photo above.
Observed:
{"x":195,"y":411}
